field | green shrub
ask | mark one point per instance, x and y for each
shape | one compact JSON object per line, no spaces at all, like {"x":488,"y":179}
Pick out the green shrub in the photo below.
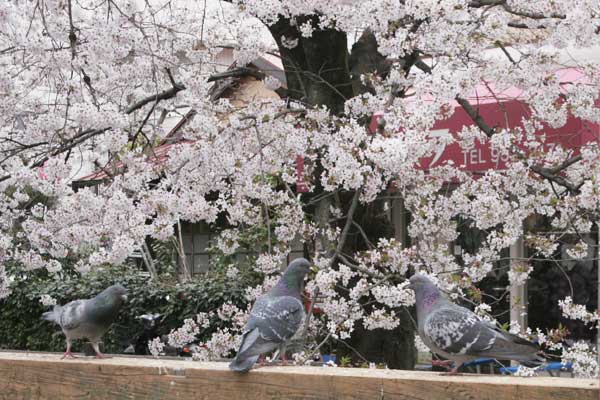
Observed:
{"x":21,"y":327}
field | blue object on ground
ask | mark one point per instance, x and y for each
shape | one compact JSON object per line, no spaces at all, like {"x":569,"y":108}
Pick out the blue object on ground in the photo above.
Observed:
{"x":479,"y":361}
{"x":328,"y":357}
{"x":552,"y":366}
{"x":558,"y":366}
{"x":508,"y":370}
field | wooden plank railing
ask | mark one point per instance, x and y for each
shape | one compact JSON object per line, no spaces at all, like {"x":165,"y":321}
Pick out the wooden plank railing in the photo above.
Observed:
{"x":43,"y":376}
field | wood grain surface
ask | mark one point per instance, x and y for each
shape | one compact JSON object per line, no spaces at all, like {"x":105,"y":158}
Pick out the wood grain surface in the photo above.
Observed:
{"x":46,"y":376}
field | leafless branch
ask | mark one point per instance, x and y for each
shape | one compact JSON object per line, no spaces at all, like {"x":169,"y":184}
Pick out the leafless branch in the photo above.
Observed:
{"x":363,"y":234}
{"x":73,"y":142}
{"x":338,"y":250}
{"x":164,"y":95}
{"x":510,"y":10}
{"x":475,"y":116}
{"x":553,"y":177}
{"x":72,"y":35}
{"x":237,"y":72}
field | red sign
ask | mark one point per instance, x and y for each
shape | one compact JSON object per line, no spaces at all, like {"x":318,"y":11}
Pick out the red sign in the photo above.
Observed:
{"x":481,"y":156}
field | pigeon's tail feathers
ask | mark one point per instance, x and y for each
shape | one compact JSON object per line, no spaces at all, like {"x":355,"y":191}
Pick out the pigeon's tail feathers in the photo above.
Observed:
{"x":245,"y":358}
{"x":529,"y":358}
{"x":513,"y":347}
{"x":248,"y":340}
{"x":53,"y":315}
{"x":253,"y":345}
{"x":243,"y":364}
{"x":49,"y":316}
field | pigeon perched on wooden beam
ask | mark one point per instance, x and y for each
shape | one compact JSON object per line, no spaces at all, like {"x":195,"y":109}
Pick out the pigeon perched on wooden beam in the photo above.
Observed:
{"x":274,"y":319}
{"x":89,"y":318}
{"x":458,"y":334}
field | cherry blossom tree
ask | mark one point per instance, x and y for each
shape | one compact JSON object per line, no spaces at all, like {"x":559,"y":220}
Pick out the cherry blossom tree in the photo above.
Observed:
{"x":90,"y":79}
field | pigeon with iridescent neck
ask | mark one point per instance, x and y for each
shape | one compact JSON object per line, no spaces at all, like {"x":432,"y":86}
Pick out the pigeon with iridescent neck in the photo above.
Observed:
{"x":274,"y":319}
{"x":458,"y":334}
{"x":88,"y":318}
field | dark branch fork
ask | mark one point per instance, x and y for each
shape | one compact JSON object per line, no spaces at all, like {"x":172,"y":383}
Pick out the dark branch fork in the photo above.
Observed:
{"x":164,"y":95}
{"x":510,"y":10}
{"x":73,"y":142}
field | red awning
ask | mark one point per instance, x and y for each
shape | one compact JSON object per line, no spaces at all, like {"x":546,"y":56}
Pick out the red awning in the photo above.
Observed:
{"x":499,"y":109}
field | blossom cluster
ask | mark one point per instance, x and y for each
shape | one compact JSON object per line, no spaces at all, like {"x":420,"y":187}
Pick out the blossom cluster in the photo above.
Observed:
{"x":89,"y":87}
{"x":583,"y":358}
{"x":47,"y":300}
{"x":519,"y":273}
{"x":578,"y":311}
{"x":185,"y":334}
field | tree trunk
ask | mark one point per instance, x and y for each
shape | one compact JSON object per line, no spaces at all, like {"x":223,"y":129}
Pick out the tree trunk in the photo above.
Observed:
{"x":318,"y":74}
{"x":316,"y":68}
{"x":395,"y":347}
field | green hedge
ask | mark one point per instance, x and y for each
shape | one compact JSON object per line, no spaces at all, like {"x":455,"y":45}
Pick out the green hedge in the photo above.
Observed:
{"x":22,"y":329}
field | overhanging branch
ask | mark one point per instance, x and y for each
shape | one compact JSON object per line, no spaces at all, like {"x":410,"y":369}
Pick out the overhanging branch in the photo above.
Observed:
{"x":73,"y":142}
{"x":164,"y":95}
{"x":464,"y":103}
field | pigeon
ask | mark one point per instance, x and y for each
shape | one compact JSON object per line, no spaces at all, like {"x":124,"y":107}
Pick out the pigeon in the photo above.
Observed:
{"x":458,"y":334}
{"x":274,"y":319}
{"x":89,"y":318}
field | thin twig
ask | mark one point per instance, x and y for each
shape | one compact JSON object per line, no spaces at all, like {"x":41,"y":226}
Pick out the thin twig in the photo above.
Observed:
{"x":338,"y":250}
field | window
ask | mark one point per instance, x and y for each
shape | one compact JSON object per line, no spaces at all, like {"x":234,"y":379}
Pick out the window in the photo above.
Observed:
{"x":297,"y":251}
{"x":196,"y":239}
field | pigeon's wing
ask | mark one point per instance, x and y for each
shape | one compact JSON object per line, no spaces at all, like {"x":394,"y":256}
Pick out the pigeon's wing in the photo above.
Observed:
{"x":457,"y":330}
{"x":72,"y":315}
{"x":272,"y":321}
{"x":277,"y":318}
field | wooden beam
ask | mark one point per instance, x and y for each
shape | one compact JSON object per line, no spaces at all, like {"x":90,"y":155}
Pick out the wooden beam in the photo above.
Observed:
{"x":43,"y":376}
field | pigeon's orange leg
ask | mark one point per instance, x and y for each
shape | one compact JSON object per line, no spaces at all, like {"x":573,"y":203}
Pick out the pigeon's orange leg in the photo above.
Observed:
{"x":68,"y":353}
{"x":97,"y":350}
{"x":453,"y":371}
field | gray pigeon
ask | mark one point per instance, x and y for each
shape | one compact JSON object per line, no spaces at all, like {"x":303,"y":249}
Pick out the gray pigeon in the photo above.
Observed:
{"x":274,"y":319}
{"x":89,"y":318}
{"x":458,"y":334}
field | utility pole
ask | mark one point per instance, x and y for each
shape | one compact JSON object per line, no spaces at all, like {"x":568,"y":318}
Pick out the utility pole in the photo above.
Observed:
{"x":518,"y":293}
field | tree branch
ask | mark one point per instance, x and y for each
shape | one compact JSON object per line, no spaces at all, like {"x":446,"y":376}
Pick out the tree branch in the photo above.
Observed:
{"x":164,"y":95}
{"x":72,"y":35}
{"x":553,"y":177}
{"x":338,"y":250}
{"x":80,"y":138}
{"x":236,"y":73}
{"x":510,"y":10}
{"x":469,"y":109}
{"x":475,"y":116}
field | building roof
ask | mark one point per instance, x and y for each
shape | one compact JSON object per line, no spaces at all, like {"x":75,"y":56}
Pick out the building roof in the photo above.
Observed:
{"x":240,"y":89}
